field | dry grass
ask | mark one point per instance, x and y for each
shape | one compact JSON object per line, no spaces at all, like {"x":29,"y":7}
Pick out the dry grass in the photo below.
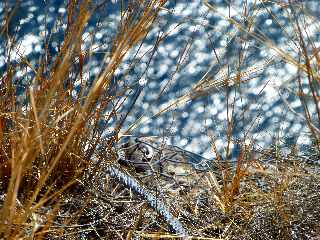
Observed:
{"x":52,"y":154}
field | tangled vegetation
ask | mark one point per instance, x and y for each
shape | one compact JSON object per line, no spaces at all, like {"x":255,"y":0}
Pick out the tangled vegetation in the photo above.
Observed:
{"x":62,"y":176}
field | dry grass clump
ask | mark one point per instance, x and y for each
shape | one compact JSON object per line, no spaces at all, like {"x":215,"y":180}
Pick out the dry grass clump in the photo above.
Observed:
{"x":48,"y":133}
{"x":61,"y":178}
{"x":280,"y":205}
{"x":274,"y":200}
